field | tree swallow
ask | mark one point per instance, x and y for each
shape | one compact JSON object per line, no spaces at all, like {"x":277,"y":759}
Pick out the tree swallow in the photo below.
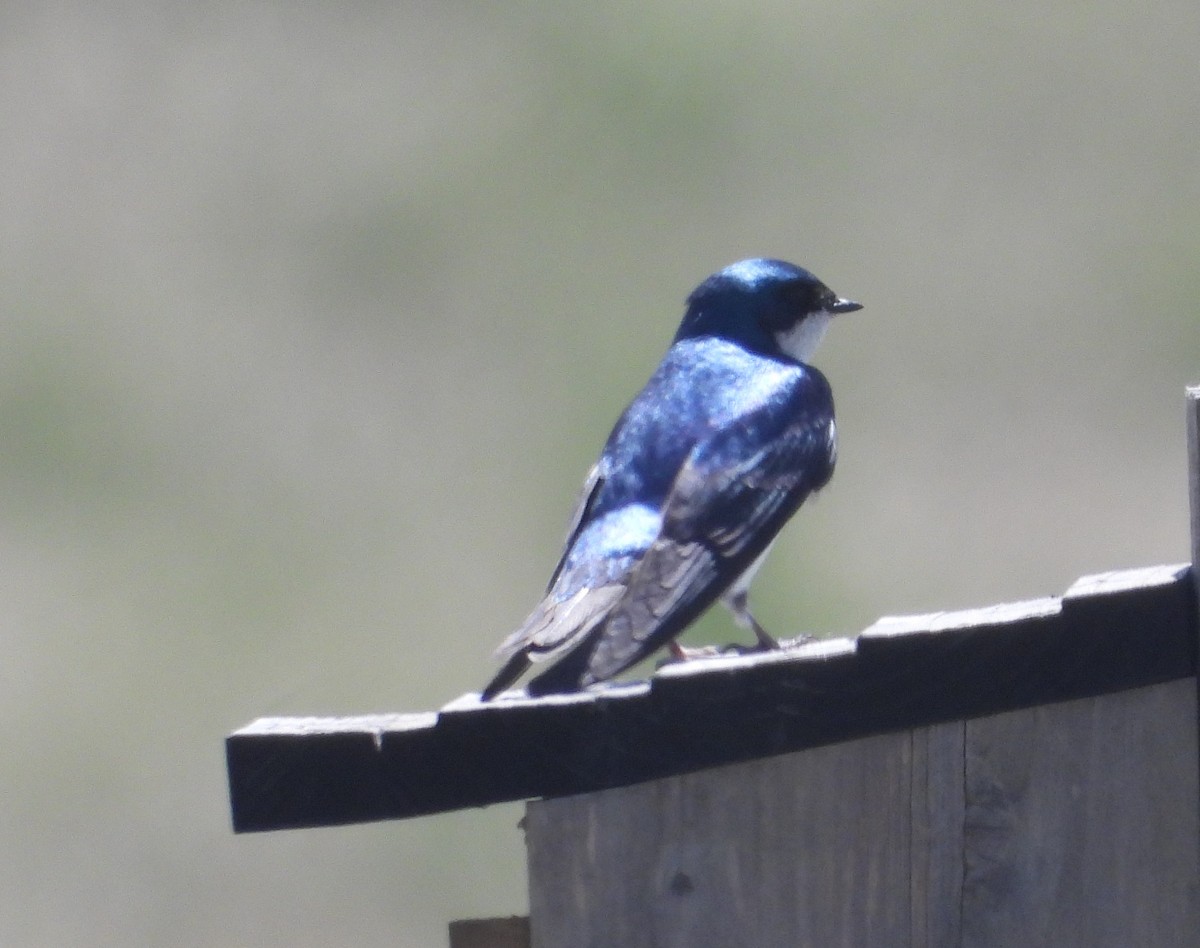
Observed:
{"x":730,"y":435}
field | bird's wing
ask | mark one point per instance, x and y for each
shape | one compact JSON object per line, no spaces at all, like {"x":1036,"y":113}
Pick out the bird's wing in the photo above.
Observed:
{"x":729,"y":500}
{"x":553,"y":629}
{"x":579,"y":519}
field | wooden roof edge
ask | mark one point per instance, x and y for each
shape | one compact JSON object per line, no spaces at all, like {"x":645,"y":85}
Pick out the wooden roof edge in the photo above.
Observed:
{"x":1108,"y":632}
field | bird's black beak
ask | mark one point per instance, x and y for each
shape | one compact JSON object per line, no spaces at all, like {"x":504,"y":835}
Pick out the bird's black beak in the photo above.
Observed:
{"x":844,"y":306}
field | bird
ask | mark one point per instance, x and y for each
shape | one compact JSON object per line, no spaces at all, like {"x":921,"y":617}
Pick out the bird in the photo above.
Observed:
{"x":733,"y":431}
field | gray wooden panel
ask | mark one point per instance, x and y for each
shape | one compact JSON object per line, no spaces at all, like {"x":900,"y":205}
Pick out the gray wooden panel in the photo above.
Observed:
{"x":805,"y":849}
{"x":1068,"y":824}
{"x":938,"y":804}
{"x":1081,"y":823}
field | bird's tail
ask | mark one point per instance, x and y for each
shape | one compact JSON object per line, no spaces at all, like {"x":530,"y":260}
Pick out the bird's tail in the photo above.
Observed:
{"x":559,"y":633}
{"x":510,"y":672}
{"x":566,"y":675}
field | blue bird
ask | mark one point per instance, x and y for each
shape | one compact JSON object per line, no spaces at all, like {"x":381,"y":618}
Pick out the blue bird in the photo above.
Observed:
{"x":730,"y":435}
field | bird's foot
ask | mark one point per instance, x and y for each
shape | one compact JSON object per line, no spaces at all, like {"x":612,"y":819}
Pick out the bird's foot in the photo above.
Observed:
{"x":765,"y":643}
{"x":679,"y":653}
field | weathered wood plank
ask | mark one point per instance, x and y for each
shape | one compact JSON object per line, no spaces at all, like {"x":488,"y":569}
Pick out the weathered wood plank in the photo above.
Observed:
{"x":938,"y":808}
{"x":1068,"y":824}
{"x":512,"y":932}
{"x":1108,"y":633}
{"x":291,"y":772}
{"x":807,"y":849}
{"x":1081,"y":823}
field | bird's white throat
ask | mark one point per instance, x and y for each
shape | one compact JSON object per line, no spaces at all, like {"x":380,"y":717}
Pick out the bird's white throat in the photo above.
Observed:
{"x":801,"y":341}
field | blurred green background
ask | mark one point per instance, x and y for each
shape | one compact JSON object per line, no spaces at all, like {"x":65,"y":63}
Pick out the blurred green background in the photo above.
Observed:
{"x":314,"y":318}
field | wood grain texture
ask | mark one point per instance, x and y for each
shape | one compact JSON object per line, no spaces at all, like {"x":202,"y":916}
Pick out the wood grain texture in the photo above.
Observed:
{"x":938,"y":808}
{"x":1082,"y":822}
{"x":807,"y":849}
{"x":1069,"y":824}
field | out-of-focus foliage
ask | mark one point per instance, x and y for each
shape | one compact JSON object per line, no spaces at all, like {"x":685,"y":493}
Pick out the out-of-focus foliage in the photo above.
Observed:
{"x":312,"y":319}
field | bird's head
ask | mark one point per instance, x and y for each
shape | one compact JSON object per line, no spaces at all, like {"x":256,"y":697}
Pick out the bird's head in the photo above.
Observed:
{"x":766,"y":305}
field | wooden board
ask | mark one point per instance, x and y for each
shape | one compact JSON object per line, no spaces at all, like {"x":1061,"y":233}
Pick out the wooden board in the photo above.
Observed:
{"x":808,"y":849}
{"x":1069,"y":824}
{"x":1081,"y":823}
{"x":511,"y":932}
{"x":1108,"y":633}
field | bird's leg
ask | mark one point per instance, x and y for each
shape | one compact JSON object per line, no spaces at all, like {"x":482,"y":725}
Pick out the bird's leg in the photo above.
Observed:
{"x":768,"y":642}
{"x":740,"y":607}
{"x":680,"y":654}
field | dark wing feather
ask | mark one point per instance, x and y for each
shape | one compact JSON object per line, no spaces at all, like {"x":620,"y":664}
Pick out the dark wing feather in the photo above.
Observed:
{"x":579,"y":519}
{"x":556,"y":626}
{"x":729,"y":500}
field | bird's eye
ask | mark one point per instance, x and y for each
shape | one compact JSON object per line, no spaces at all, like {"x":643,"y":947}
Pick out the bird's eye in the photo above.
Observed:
{"x":804,"y":297}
